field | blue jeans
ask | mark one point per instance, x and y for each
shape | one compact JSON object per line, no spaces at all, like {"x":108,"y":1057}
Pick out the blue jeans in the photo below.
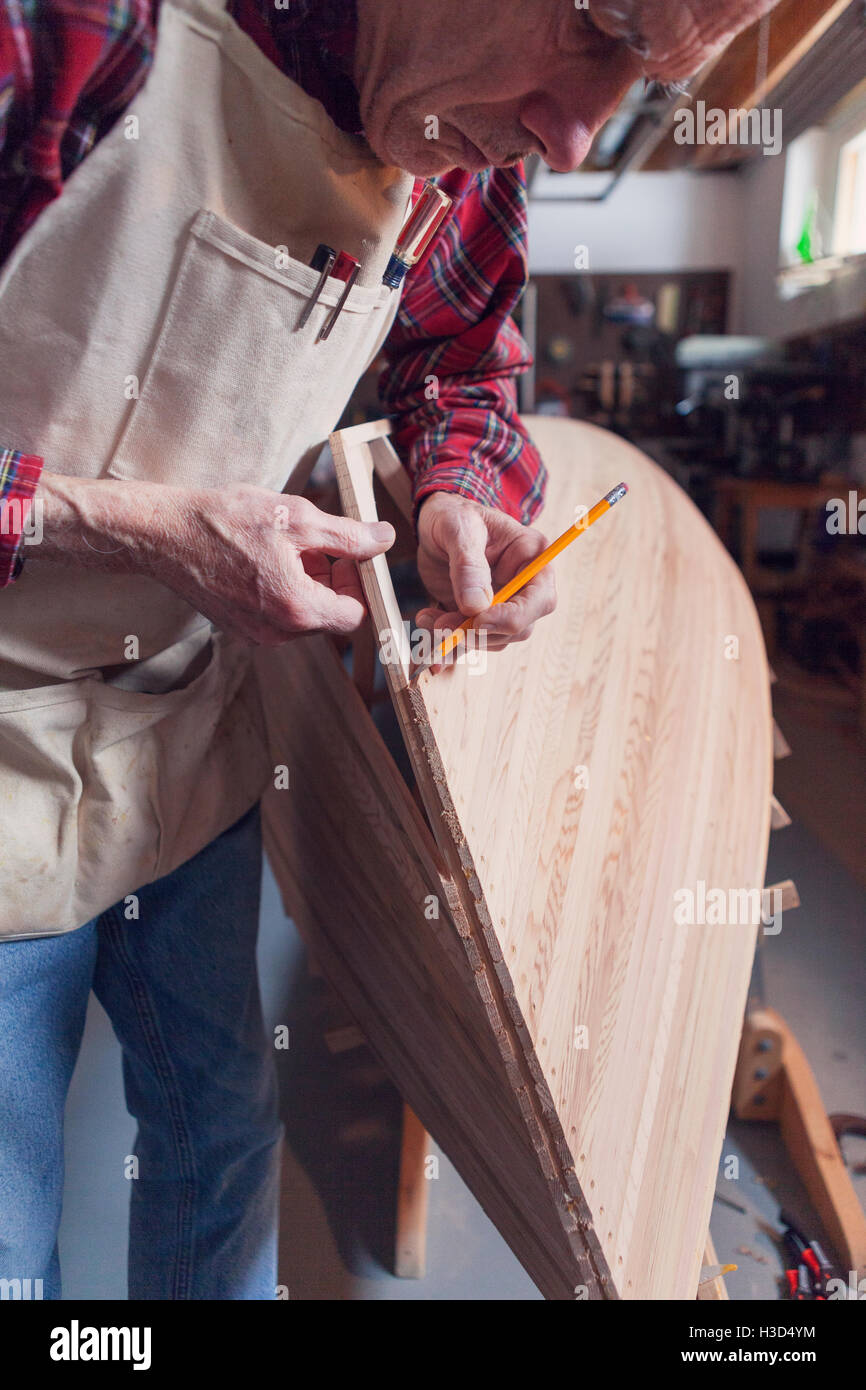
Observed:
{"x":181,"y":989}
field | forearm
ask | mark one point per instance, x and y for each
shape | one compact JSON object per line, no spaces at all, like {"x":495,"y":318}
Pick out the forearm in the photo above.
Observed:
{"x":104,"y":524}
{"x":459,"y":430}
{"x":472,"y":442}
{"x":262,"y":566}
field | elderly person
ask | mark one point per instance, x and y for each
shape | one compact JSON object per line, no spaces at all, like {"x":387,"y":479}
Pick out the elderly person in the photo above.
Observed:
{"x":168,"y":173}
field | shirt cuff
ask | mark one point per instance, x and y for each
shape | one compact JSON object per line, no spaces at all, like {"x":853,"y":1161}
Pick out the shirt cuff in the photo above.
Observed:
{"x":452,"y":477}
{"x":19,"y":476}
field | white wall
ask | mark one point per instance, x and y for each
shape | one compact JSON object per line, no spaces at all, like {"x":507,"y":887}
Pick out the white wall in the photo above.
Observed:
{"x":682,"y":221}
{"x":651,"y":221}
{"x":762,"y":310}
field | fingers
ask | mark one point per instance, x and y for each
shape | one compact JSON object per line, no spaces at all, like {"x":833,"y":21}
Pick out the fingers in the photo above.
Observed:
{"x":324,"y":609}
{"x":463,"y":535}
{"x":339,"y":576}
{"x":499,"y":626}
{"x":515,"y":618}
{"x":441,"y":623}
{"x":312,"y":529}
{"x":260,"y":567}
{"x":431,"y":618}
{"x":437,"y":619}
{"x":345,"y":580}
{"x":523,"y":546}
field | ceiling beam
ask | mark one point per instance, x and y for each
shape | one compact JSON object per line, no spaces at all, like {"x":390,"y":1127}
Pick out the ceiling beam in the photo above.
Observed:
{"x":733,"y":81}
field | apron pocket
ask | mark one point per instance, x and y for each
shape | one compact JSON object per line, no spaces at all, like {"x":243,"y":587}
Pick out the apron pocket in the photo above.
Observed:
{"x":175,"y":769}
{"x":105,"y":789}
{"x":234,"y":391}
{"x":40,"y":791}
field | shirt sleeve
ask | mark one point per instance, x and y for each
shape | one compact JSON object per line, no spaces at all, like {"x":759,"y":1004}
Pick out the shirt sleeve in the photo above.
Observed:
{"x":66,"y":72}
{"x":454,"y":353}
{"x":19,"y":475}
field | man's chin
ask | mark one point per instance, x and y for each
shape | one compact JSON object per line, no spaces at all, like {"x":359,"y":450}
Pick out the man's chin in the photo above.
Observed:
{"x":426,"y":158}
{"x":424,"y":163}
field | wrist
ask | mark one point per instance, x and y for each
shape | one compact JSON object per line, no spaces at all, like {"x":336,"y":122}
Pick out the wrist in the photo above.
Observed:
{"x":450,"y":479}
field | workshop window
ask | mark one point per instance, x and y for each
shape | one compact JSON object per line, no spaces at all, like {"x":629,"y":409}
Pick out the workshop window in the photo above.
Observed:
{"x":823,"y":223}
{"x":849,"y":221}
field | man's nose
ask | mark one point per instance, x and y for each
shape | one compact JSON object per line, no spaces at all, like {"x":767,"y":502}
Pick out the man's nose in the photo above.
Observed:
{"x":563,"y":129}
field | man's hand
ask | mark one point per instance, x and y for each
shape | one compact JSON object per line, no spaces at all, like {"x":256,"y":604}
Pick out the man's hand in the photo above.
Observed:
{"x":266,"y":567}
{"x":262,"y":565}
{"x":465,"y":552}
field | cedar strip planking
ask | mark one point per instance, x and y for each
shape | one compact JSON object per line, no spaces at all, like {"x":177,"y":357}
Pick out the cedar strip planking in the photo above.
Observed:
{"x":597,"y":1163}
{"x":355,"y":864}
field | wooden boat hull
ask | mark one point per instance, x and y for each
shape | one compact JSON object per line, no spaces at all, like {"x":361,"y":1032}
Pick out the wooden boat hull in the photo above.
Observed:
{"x":554,"y":967}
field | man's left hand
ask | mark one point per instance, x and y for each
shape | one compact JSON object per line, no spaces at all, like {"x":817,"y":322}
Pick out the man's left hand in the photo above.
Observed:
{"x":465,"y":552}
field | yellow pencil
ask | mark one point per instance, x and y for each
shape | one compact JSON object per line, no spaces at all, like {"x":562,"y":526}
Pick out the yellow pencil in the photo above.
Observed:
{"x":711,"y":1272}
{"x":529,"y":571}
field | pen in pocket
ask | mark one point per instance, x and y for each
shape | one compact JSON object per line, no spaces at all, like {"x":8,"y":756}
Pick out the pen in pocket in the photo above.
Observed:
{"x":324,"y":258}
{"x":345,"y":268}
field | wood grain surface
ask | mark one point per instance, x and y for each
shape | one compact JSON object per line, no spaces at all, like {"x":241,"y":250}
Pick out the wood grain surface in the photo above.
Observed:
{"x":583,"y":791}
{"x":362,"y":877}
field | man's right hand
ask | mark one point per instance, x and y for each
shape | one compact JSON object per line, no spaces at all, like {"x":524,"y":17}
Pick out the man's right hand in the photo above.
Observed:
{"x":263,"y":566}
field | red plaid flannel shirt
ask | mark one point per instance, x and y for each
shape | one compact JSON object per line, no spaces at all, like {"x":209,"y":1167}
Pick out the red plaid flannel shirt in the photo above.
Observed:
{"x":68,"y":70}
{"x":19,"y":474}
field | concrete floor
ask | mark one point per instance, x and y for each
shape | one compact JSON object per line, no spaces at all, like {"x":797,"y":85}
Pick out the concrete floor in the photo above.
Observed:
{"x":342,"y":1115}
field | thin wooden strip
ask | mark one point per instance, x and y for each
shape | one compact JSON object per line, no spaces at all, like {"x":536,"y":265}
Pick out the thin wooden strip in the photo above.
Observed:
{"x":780,"y":897}
{"x":389,"y":469}
{"x":343,"y":1038}
{"x":410,"y":1244}
{"x":779,"y":817}
{"x":714,"y":1290}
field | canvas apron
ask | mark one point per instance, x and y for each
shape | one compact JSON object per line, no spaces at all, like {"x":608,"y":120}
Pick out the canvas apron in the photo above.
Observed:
{"x":148,"y":330}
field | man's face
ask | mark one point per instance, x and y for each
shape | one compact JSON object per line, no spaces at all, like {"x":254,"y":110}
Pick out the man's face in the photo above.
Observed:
{"x":508,"y":78}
